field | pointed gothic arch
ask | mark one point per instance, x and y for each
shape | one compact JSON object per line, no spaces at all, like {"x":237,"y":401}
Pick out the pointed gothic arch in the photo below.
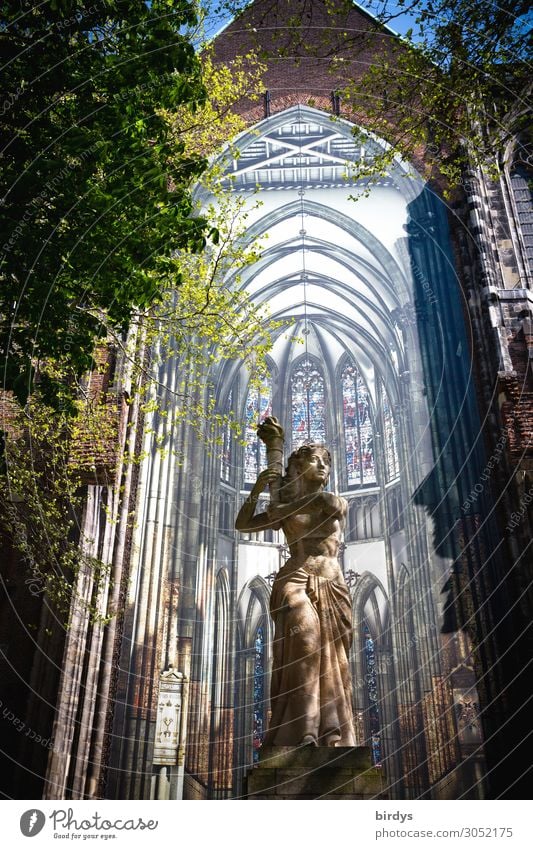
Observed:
{"x":255,"y":635}
{"x":308,"y":404}
{"x":358,"y":426}
{"x":336,"y":128}
{"x":372,"y":666}
{"x":390,"y":434}
{"x":221,"y":731}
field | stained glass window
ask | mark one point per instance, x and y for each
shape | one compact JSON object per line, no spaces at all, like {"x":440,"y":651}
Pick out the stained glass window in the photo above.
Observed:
{"x":258,"y":406}
{"x":371,"y":675}
{"x":308,"y":408}
{"x":227,"y":444}
{"x":259,"y":692}
{"x":390,"y":434}
{"x":358,"y":432}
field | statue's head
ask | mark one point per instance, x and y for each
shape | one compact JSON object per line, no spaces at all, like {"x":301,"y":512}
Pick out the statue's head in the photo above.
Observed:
{"x":311,"y":463}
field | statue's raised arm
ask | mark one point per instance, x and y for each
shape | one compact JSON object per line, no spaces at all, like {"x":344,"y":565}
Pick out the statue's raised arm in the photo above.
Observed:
{"x":271,"y":433}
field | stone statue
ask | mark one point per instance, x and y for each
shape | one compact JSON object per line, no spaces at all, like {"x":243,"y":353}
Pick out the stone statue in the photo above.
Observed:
{"x":311,"y":691}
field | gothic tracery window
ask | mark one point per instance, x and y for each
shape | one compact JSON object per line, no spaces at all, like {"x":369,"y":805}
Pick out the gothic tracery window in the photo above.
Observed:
{"x":258,"y":405}
{"x":226,"y":459}
{"x":358,"y":432}
{"x":390,"y":439}
{"x":371,"y":676}
{"x":259,"y":691}
{"x":308,"y":408}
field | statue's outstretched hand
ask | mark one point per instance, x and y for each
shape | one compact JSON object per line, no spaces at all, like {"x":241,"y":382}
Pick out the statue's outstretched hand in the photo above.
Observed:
{"x":270,"y":432}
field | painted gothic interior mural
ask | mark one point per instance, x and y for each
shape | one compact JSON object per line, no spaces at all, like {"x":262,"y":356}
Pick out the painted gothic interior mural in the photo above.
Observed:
{"x":349,"y":371}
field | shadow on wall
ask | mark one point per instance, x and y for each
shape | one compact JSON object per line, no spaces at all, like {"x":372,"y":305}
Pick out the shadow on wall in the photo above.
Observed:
{"x":481,"y":591}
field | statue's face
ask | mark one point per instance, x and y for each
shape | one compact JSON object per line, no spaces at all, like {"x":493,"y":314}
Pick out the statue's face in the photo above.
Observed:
{"x":316,"y":467}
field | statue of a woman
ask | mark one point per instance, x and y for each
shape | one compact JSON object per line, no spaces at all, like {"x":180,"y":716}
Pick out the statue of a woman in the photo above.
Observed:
{"x":311,"y":692}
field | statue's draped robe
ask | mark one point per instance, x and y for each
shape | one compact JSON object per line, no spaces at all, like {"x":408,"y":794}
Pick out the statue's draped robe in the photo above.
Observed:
{"x":311,"y":691}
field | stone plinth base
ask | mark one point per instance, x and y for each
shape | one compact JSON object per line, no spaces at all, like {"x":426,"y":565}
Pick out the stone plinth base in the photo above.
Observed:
{"x":314,"y":772}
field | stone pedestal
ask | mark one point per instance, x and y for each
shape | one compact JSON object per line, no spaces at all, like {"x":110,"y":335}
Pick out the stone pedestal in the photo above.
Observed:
{"x":314,"y":772}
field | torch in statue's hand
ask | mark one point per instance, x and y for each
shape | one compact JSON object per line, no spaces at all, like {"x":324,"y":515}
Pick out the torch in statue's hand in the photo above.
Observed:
{"x":271,"y":432}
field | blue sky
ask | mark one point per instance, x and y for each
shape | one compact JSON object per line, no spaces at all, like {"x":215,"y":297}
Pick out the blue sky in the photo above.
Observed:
{"x":400,"y":24}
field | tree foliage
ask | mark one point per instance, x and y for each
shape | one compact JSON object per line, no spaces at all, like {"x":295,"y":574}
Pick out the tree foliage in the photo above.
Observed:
{"x":455,"y":90}
{"x":187,"y":308}
{"x":41,"y":502}
{"x":95,"y":187}
{"x":201,"y":317}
